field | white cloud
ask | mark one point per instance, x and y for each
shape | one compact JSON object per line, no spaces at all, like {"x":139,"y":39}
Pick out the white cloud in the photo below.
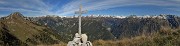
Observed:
{"x":175,"y":9}
{"x":2,"y":2}
{"x":43,"y":8}
{"x":91,"y":5}
{"x":32,"y":6}
{"x":16,"y":9}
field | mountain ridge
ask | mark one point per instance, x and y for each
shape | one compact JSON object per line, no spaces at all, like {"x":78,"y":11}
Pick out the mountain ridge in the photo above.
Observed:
{"x":119,"y":27}
{"x":26,"y":31}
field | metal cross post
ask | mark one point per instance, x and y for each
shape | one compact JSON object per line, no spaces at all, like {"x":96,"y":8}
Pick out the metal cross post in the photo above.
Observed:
{"x":80,"y":12}
{"x":80,"y":39}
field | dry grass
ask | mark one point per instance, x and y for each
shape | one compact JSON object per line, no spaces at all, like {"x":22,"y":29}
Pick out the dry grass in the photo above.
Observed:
{"x":165,"y":37}
{"x":60,"y":44}
{"x":124,"y":42}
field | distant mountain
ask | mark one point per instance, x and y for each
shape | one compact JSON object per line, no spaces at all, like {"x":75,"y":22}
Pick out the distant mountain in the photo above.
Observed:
{"x":67,"y":27}
{"x":108,"y":28}
{"x":16,"y":30}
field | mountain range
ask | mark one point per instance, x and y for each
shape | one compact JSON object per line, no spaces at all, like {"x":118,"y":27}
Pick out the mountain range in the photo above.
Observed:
{"x":19,"y":30}
{"x":108,"y":28}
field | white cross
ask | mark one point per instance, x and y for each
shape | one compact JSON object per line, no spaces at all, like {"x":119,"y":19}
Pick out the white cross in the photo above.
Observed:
{"x":80,"y":12}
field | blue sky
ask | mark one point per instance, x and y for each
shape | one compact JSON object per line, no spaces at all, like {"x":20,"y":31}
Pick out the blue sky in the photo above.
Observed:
{"x":104,"y":7}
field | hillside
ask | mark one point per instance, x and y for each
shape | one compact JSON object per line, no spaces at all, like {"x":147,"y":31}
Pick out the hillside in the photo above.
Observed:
{"x":67,"y":27}
{"x":164,"y":37}
{"x":16,"y":30}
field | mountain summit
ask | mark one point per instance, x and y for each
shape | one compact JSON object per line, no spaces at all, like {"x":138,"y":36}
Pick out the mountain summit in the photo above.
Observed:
{"x":15,"y":30}
{"x":16,"y":15}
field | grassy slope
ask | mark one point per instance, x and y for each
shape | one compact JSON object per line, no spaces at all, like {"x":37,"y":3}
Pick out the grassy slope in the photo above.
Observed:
{"x":28,"y":32}
{"x":69,"y":26}
{"x":165,"y":37}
